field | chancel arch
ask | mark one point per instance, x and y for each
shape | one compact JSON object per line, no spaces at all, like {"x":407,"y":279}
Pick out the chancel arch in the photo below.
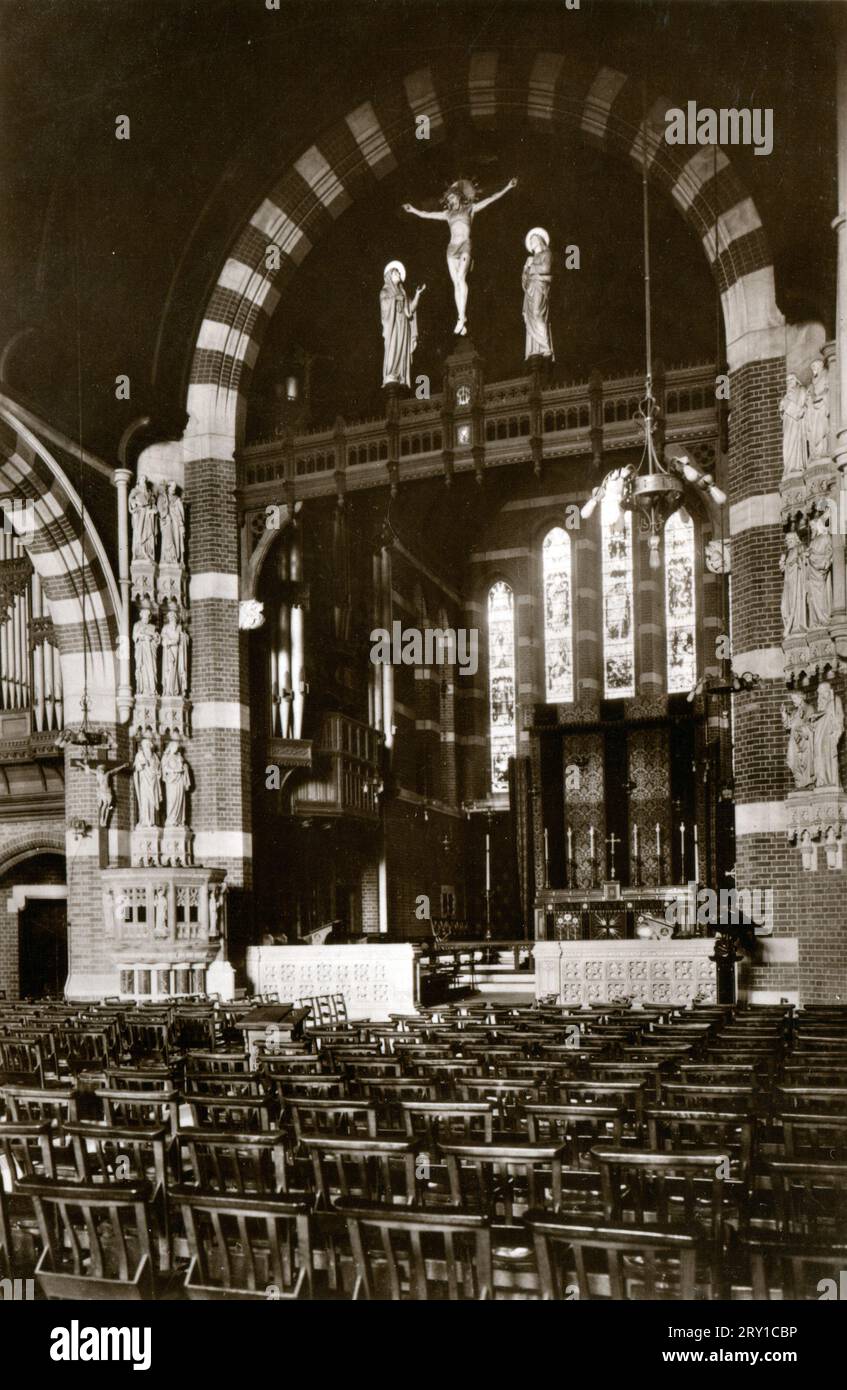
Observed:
{"x":549,"y":92}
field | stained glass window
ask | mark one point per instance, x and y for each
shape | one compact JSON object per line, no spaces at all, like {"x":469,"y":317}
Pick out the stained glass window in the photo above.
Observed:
{"x":501,"y":682}
{"x":680,"y":610}
{"x":618,"y":640}
{"x":558,"y":616}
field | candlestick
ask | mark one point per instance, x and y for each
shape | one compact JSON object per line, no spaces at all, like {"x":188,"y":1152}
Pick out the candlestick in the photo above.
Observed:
{"x":570,"y":843}
{"x":696,"y":857}
{"x":487,"y":862}
{"x":635,"y":842}
{"x":546,"y":860}
{"x":591,"y":841}
{"x":682,"y":851}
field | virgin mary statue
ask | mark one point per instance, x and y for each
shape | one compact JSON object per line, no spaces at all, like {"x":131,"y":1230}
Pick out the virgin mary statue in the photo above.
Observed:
{"x":399,"y":325}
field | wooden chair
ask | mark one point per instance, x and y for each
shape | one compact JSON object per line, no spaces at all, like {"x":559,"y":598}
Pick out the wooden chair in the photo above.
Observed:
{"x":668,"y":1189}
{"x":34,"y":1104}
{"x":240,"y":1085}
{"x":685,"y":1131}
{"x":106,"y":1156}
{"x":591,"y":1259}
{"x":227,"y":1063}
{"x":144,"y":1109}
{"x":244,"y":1164}
{"x":792,"y":1269}
{"x":501,"y":1181}
{"x":380,"y":1170}
{"x":315,"y":1085}
{"x":246,"y":1248}
{"x":244,"y":1114}
{"x":509,"y":1099}
{"x":627,"y":1096}
{"x":95,"y":1240}
{"x":434,"y":1121}
{"x":421,"y":1255}
{"x":820,"y":1099}
{"x":21,"y":1062}
{"x":809,"y":1198}
{"x":138,"y":1079}
{"x":649,"y":1074}
{"x":808,"y":1136}
{"x":349,"y":1118}
{"x":576,"y":1128}
{"x":683,"y":1094}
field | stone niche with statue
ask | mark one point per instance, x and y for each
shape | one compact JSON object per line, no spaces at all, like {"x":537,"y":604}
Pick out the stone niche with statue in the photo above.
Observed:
{"x":164,"y":915}
{"x":814,"y":604}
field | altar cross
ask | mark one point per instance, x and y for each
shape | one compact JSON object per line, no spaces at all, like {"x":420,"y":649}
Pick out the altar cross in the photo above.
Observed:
{"x":612,"y":841}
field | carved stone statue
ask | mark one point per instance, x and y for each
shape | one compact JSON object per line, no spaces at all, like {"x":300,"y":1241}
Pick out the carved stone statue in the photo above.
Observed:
{"x":171,"y":524}
{"x":142,"y":515}
{"x":177,"y":781}
{"x":160,"y":913}
{"x":217,"y":892}
{"x":792,"y":408}
{"x":819,"y":572}
{"x":460,"y":205}
{"x":147,"y":780}
{"x":174,"y":656}
{"x":536,"y":280}
{"x":817,"y":411}
{"x":828,"y":724}
{"x":800,"y":757}
{"x":251,"y":614}
{"x":145,"y":640}
{"x":105,"y":791}
{"x":793,"y":567}
{"x":399,"y":325}
{"x":213,"y":911}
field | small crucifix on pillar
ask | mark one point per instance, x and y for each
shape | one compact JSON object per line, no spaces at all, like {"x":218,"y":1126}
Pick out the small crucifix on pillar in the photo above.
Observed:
{"x":612,"y":840}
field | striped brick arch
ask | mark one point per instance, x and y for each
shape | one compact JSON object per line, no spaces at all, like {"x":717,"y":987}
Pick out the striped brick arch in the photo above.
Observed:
{"x":546,"y":93}
{"x":30,"y":475}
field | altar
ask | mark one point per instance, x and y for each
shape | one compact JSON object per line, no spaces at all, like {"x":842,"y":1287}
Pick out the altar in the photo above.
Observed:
{"x":578,"y":973}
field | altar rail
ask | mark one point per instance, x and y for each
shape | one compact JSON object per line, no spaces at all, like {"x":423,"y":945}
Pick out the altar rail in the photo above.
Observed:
{"x":376,"y":978}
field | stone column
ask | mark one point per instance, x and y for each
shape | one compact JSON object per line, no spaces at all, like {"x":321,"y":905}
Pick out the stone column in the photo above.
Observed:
{"x":840,"y":225}
{"x":219,"y":749}
{"x":122,"y":479}
{"x":764,"y":858}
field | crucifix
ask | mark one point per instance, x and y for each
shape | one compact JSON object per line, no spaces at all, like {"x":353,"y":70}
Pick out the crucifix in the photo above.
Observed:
{"x":612,"y":840}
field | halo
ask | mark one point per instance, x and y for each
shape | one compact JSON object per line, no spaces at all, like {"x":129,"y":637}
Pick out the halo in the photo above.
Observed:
{"x":465,"y":189}
{"x":394,"y":265}
{"x":537,"y":231}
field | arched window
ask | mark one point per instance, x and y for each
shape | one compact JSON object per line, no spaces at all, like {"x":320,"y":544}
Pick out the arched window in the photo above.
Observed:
{"x":501,"y":682}
{"x":558,"y":616}
{"x":680,"y":602}
{"x":618,"y":639}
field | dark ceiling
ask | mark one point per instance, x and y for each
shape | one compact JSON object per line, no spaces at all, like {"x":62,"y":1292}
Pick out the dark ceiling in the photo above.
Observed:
{"x":109,"y":247}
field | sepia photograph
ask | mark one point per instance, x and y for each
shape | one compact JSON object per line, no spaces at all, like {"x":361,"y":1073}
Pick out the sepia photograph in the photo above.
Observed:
{"x":423,"y":658}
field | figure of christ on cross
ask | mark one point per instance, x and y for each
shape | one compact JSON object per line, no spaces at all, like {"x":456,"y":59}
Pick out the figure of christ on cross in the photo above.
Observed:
{"x":612,"y":841}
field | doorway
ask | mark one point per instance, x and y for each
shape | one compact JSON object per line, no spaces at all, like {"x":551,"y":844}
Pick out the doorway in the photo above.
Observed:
{"x":43,"y":948}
